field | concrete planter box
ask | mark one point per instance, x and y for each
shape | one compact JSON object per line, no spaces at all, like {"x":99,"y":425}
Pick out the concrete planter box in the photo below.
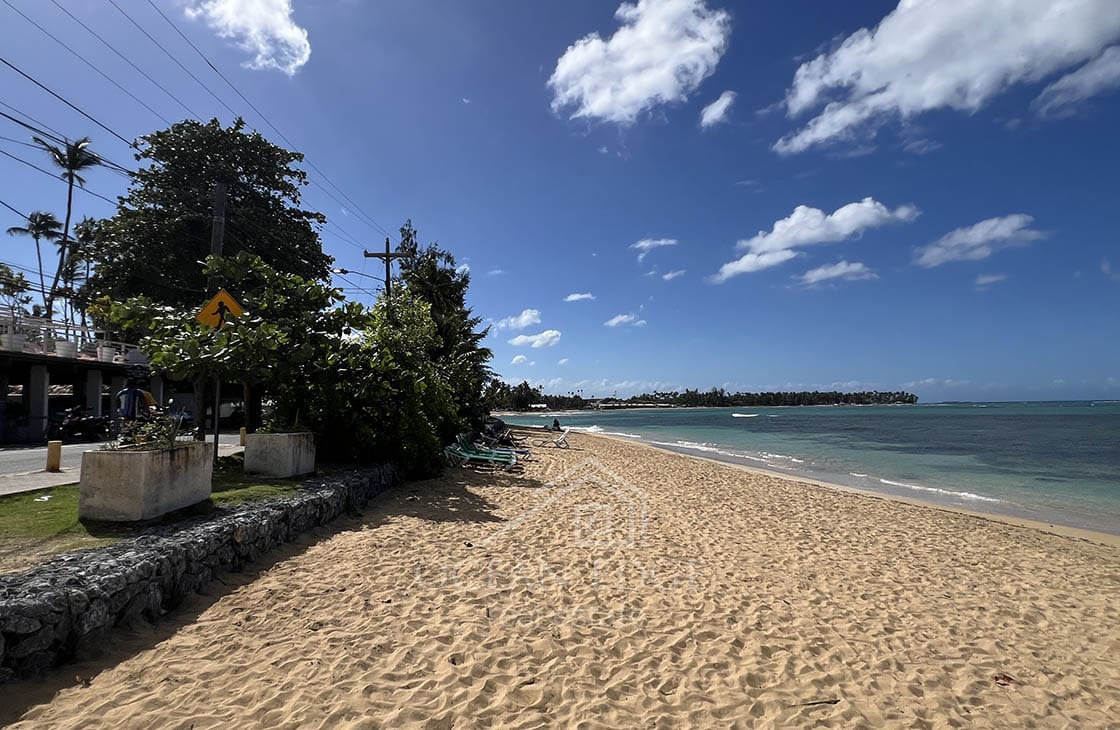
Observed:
{"x":279,"y":454}
{"x":127,"y":486}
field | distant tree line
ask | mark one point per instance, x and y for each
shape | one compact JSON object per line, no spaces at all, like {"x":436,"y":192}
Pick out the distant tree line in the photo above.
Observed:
{"x":503,"y":396}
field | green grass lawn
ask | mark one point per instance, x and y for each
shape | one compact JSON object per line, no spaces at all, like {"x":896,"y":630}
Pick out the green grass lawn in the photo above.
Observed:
{"x":36,"y":524}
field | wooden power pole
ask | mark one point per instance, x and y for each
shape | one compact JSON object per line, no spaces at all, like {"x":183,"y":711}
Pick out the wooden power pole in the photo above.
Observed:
{"x":387,"y":257}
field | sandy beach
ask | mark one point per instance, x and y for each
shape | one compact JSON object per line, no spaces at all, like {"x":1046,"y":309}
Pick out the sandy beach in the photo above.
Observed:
{"x":615,"y":585}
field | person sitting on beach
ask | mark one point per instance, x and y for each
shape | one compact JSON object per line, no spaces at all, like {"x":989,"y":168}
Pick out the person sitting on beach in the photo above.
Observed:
{"x":555,"y":424}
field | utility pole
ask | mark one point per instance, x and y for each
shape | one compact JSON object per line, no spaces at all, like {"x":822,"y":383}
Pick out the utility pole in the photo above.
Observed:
{"x":387,"y":257}
{"x":217,"y":238}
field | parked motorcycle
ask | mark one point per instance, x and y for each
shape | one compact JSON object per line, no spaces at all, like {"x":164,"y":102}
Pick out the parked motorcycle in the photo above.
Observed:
{"x":77,"y":425}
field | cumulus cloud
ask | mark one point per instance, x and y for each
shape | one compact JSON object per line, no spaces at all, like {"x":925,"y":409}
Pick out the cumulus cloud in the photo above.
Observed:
{"x":808,"y":226}
{"x":527,"y":318}
{"x":932,"y":55}
{"x":985,"y":280}
{"x":646,"y":245}
{"x":548,"y":338}
{"x":518,"y":359}
{"x":659,"y":55}
{"x":578,"y":297}
{"x":979,"y":241}
{"x":620,"y":319}
{"x":1062,"y":97}
{"x":849,"y":271}
{"x":263,"y":28}
{"x":718,"y":110}
{"x":669,"y":276}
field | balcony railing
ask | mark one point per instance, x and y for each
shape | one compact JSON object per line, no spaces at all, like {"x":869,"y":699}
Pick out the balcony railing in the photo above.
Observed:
{"x":57,"y":338}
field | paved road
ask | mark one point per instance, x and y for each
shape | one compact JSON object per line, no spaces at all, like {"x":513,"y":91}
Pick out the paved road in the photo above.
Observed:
{"x":22,"y":469}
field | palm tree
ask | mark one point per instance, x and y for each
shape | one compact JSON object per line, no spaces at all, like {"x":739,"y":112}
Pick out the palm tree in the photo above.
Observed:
{"x":85,"y":241}
{"x":40,"y":225}
{"x":73,"y":159}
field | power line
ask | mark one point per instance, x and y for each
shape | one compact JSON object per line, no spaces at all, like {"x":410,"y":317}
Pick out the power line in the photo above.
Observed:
{"x":21,"y":215}
{"x":368,"y":219}
{"x":30,"y":78}
{"x":124,"y":58}
{"x":59,"y":139}
{"x":83,"y":59}
{"x":172,"y":57}
{"x":51,"y":175}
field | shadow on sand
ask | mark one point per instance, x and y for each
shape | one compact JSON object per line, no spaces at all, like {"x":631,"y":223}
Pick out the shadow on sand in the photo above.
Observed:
{"x":446,"y":499}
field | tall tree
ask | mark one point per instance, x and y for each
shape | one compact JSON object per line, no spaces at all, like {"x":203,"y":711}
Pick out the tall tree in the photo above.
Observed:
{"x":155,"y":243}
{"x":72,"y":158}
{"x":41,"y":226}
{"x":430,"y":274}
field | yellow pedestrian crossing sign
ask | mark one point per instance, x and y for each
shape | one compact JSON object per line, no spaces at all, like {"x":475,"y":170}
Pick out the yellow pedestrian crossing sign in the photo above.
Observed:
{"x":214,"y":312}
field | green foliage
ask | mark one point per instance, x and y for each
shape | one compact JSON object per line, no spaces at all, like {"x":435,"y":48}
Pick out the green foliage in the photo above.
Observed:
{"x":151,"y":434}
{"x":161,"y":231}
{"x":378,"y":395}
{"x":431,"y":275}
{"x":40,"y":226}
{"x":13,"y":291}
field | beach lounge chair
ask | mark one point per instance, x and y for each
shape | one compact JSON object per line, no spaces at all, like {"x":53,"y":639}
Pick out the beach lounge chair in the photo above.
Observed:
{"x":466,"y":444}
{"x":459,"y":456}
{"x":560,"y":442}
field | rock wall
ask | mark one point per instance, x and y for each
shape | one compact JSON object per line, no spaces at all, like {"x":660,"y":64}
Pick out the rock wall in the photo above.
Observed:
{"x":73,"y":601}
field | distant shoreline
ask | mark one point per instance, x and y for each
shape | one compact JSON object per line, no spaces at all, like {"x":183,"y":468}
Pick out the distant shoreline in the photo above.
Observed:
{"x":1103,"y":538}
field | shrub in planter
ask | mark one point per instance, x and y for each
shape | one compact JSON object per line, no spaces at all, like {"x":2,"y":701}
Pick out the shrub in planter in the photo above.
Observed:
{"x":145,"y":474}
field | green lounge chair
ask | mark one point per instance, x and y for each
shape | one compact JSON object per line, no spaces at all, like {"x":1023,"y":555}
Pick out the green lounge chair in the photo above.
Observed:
{"x":461,"y":457}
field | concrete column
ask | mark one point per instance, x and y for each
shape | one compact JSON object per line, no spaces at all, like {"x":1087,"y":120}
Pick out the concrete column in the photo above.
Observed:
{"x":4,"y":381}
{"x":155,"y":387}
{"x":38,"y":402}
{"x":93,"y":392}
{"x":116,"y":384}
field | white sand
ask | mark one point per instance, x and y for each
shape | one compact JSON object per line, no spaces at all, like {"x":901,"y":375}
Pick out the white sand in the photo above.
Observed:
{"x":613,"y":585}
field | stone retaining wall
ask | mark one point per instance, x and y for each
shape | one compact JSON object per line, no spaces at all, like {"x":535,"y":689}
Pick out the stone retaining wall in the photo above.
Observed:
{"x":73,"y":601}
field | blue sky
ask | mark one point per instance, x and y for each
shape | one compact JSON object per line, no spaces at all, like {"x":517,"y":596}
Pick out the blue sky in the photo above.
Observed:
{"x":758,"y":196}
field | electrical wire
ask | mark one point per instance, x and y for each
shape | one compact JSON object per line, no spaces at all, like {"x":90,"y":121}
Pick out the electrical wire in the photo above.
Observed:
{"x":42,"y":86}
{"x":84,"y":60}
{"x":59,"y":140}
{"x":51,"y":175}
{"x":125,"y":58}
{"x":172,"y":57}
{"x":368,"y":219}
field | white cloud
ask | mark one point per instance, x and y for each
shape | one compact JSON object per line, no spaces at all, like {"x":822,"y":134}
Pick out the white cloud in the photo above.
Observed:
{"x":463,"y":269}
{"x":718,"y":110}
{"x":750,"y":262}
{"x":1106,"y":269}
{"x":673,"y":274}
{"x":263,"y":28}
{"x":563,"y":361}
{"x":496,"y":272}
{"x":988,"y":279}
{"x":518,"y":359}
{"x":577,"y":297}
{"x":979,"y":241}
{"x":1100,"y":74}
{"x":548,"y":338}
{"x":853,"y":271}
{"x":646,"y":245}
{"x":928,"y":55}
{"x":527,"y":318}
{"x":603,"y":150}
{"x":807,"y":226}
{"x":465,"y":100}
{"x":621,"y":319}
{"x":661,"y":52}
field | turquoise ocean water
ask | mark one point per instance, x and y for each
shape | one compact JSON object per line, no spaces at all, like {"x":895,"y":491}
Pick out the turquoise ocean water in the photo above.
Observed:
{"x":1056,"y":462}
